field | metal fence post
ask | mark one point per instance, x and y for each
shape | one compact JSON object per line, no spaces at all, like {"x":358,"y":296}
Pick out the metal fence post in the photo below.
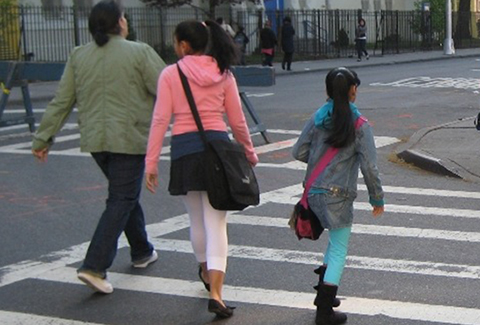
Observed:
{"x":337,"y":30}
{"x":23,"y":32}
{"x":397,"y":34}
{"x":76,"y":32}
{"x":162,"y":49}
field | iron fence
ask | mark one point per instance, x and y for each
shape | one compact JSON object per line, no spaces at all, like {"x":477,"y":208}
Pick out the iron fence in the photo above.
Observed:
{"x":49,"y":33}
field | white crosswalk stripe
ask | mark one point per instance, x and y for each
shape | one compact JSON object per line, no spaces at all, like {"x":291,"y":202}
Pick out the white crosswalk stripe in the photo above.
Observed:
{"x":55,"y":267}
{"x":281,"y":298}
{"x":25,"y":147}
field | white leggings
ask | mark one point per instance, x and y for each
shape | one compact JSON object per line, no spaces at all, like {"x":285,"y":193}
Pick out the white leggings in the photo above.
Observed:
{"x":208,"y":231}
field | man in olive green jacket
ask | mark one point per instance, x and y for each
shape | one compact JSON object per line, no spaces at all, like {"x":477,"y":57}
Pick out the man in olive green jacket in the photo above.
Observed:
{"x":113,"y":83}
{"x":113,"y":88}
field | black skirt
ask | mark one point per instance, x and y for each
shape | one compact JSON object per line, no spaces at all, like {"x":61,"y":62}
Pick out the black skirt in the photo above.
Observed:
{"x":187,"y":173}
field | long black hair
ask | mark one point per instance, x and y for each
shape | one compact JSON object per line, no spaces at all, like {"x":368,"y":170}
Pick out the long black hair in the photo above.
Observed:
{"x":103,"y":20}
{"x":209,"y":38}
{"x":339,"y":82}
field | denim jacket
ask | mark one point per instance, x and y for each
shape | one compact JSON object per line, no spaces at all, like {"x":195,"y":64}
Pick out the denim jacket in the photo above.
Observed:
{"x":339,"y":179}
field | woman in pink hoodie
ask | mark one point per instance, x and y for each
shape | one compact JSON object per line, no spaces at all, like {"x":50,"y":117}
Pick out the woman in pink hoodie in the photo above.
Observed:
{"x":216,"y":94}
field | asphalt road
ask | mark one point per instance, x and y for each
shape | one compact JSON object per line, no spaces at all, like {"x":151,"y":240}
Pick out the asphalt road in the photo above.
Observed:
{"x":418,"y":264}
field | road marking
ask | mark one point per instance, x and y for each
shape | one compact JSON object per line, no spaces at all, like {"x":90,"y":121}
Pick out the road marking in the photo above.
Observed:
{"x":280,"y":298}
{"x":425,"y":191}
{"x":56,"y":261}
{"x":24,"y":147}
{"x":314,"y":258}
{"x":428,"y":82}
{"x":26,"y":269}
{"x":389,"y":231}
{"x":22,"y":110}
{"x":287,"y":195}
{"x":290,"y":195}
{"x":260,"y":95}
{"x":14,"y":318}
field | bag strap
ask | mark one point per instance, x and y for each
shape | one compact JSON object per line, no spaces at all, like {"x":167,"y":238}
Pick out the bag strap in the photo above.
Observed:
{"x":322,"y":164}
{"x":191,"y":103}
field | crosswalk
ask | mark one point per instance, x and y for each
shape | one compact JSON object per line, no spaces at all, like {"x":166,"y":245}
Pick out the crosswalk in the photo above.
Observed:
{"x":56,"y":267}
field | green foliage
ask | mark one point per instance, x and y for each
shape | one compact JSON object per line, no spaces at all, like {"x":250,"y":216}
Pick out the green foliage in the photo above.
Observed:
{"x":437,"y":16}
{"x":434,"y":5}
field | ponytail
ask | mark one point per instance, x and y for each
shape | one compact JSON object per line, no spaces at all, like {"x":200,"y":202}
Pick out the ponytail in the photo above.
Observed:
{"x":222,"y":48}
{"x":100,"y":37}
{"x":343,"y":130}
{"x":209,"y":38}
{"x":103,"y":20}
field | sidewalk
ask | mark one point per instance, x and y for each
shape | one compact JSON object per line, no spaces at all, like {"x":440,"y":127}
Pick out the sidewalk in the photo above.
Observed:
{"x":428,"y":148}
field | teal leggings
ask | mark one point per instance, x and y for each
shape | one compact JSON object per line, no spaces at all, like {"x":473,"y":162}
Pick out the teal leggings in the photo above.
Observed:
{"x":336,"y":254}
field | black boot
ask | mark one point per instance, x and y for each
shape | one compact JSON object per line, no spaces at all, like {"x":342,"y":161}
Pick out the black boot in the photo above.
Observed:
{"x":325,"y":313}
{"x":321,"y":273}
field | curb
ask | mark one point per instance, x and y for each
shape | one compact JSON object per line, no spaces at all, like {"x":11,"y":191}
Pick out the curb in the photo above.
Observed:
{"x":372,"y":64}
{"x":427,"y":162}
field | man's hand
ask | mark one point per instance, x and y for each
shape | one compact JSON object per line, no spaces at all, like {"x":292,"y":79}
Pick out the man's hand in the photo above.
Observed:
{"x":41,"y":154}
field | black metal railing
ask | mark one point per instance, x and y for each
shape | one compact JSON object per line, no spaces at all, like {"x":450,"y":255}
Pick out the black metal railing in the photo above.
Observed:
{"x":49,"y":33}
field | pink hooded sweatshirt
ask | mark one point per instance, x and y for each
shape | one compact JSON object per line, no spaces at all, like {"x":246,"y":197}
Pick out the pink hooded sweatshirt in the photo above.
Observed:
{"x":215,"y":94}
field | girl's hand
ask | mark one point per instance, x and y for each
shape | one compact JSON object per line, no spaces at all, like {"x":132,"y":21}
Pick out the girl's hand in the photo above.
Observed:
{"x":377,"y":211}
{"x":151,"y":181}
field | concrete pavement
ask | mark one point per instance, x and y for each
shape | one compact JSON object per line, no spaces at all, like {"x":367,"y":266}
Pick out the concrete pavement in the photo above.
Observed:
{"x":427,"y":148}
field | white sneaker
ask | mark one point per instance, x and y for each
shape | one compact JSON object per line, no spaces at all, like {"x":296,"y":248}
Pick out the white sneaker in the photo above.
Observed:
{"x":96,"y":283}
{"x":143,"y":263}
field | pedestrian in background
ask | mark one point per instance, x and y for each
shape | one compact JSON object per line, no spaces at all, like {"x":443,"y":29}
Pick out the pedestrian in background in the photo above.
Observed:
{"x":361,"y":39}
{"x":206,"y":54}
{"x":112,"y":82}
{"x":241,"y":40}
{"x":333,"y":192}
{"x":287,"y":42}
{"x":268,"y":41}
{"x":226,"y":27}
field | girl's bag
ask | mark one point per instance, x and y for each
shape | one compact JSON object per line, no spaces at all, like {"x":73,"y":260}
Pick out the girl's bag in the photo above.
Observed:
{"x":230,"y":180}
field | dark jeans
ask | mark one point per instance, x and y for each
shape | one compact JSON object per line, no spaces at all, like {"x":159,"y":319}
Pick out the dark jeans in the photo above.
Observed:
{"x":287,"y":58}
{"x":122,"y":213}
{"x":361,"y":47}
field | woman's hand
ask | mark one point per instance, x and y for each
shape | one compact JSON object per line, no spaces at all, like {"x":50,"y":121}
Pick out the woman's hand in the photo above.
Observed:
{"x":377,"y":211}
{"x":151,"y":181}
{"x":41,"y":154}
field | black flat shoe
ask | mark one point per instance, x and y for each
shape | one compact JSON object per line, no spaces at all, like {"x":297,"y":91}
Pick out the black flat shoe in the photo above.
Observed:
{"x":222,"y":312}
{"x":207,"y":285}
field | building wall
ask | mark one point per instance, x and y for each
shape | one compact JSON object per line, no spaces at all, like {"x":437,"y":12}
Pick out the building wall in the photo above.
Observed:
{"x":351,"y":4}
{"x":287,"y":4}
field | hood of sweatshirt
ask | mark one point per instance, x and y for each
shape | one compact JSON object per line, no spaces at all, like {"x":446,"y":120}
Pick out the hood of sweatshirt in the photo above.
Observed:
{"x":323,"y":116}
{"x":201,"y":70}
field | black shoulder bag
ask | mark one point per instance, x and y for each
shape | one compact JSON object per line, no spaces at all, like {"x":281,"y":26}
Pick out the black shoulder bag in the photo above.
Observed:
{"x":230,"y":180}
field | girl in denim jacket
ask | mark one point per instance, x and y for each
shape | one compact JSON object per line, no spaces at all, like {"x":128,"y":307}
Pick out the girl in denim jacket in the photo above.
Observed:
{"x":333,"y":192}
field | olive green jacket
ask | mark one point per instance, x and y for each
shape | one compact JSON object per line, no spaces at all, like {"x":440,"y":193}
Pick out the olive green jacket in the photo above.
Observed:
{"x":113,"y":88}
